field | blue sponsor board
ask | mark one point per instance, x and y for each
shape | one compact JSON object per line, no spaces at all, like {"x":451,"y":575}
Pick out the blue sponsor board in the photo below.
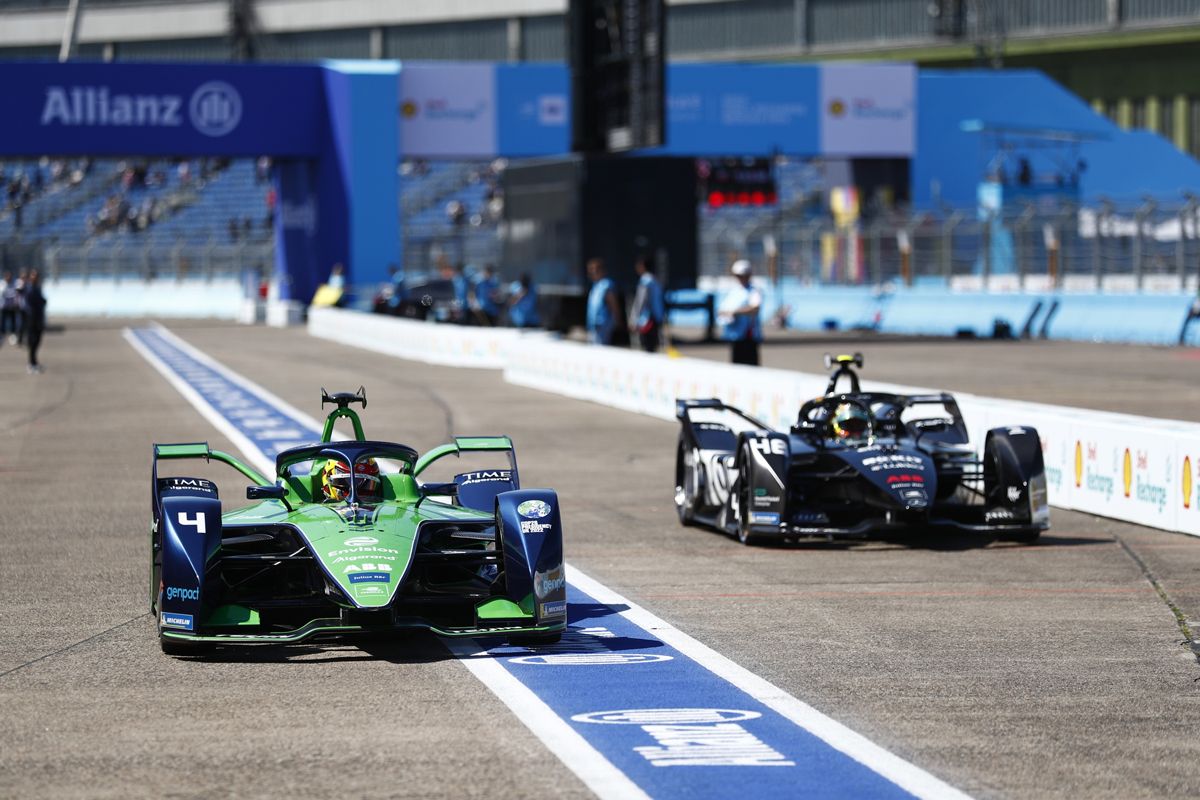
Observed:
{"x":370,"y":577}
{"x":712,"y":109}
{"x":764,"y":517}
{"x":167,"y":109}
{"x":533,"y":109}
{"x":174,"y":620}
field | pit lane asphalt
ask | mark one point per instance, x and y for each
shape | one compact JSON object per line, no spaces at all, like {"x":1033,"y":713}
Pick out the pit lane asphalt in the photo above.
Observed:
{"x":1053,"y":670}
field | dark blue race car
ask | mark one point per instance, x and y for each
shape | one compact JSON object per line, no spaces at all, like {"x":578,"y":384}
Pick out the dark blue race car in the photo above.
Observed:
{"x":856,"y":464}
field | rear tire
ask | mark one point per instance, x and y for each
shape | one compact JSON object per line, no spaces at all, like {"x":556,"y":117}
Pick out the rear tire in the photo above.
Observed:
{"x":744,"y":532}
{"x":685,"y":484}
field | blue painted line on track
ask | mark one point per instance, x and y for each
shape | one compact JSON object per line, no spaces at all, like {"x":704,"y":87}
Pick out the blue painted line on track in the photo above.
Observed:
{"x":669,"y":723}
{"x":696,"y":735}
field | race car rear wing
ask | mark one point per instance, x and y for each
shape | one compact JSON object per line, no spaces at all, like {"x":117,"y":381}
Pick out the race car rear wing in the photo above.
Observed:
{"x":165,"y":452}
{"x":469,"y":444}
{"x":684,"y":407}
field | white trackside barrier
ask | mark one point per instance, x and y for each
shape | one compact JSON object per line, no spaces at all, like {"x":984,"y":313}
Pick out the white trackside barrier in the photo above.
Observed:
{"x":451,"y":345}
{"x":1122,"y":466}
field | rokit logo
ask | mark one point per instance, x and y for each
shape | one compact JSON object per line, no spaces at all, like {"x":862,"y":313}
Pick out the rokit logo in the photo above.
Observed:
{"x":215,"y":108}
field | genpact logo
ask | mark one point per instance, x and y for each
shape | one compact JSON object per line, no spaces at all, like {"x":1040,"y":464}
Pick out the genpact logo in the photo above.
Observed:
{"x":175,"y":593}
{"x":215,"y":108}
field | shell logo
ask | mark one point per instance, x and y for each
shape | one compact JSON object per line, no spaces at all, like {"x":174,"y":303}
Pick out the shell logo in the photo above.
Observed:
{"x":1127,"y":472}
{"x":837,"y":108}
{"x":1078,"y":464}
{"x":408,"y":109}
{"x":1187,"y":482}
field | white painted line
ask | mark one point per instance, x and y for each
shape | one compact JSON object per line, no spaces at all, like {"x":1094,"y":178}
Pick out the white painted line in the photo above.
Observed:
{"x":905,"y":775}
{"x":255,"y":456}
{"x":233,"y":377}
{"x":596,"y":771}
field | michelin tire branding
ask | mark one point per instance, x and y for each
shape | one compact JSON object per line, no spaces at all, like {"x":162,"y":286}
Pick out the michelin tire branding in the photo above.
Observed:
{"x":181,"y":621}
{"x":555,"y":609}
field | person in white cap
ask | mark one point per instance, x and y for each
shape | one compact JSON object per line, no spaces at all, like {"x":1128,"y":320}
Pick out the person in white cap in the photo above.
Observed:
{"x":740,"y":316}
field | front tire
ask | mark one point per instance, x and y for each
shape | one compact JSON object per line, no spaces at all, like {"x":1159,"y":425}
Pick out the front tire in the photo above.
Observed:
{"x":1025,"y":536}
{"x":745,"y":533}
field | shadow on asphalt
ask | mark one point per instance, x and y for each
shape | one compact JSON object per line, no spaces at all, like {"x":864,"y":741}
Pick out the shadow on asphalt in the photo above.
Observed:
{"x":402,"y":649}
{"x":931,"y":540}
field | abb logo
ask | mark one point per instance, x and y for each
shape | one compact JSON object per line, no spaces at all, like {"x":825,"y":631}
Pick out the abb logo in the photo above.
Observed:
{"x":905,"y":479}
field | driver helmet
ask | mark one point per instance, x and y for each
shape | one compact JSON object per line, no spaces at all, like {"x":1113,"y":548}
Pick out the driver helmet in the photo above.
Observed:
{"x":850,"y":422}
{"x":335,"y":481}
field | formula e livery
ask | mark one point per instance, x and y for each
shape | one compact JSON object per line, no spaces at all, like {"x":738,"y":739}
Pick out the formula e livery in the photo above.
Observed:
{"x":348,"y":539}
{"x":854,"y":464}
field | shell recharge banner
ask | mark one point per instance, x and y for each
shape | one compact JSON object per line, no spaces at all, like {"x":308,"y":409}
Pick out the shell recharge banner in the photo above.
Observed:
{"x":448,"y":110}
{"x":868,"y":109}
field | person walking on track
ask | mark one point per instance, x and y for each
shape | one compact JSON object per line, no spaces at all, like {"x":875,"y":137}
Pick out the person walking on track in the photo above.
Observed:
{"x":740,"y":316}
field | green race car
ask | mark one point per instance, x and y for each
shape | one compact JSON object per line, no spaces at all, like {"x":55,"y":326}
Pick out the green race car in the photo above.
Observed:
{"x":348,"y":539}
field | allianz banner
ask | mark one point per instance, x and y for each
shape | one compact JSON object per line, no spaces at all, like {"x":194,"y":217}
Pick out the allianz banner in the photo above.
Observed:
{"x":88,"y":108}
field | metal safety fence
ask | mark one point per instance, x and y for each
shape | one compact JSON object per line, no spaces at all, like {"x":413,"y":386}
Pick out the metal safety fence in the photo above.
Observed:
{"x":1145,"y":247}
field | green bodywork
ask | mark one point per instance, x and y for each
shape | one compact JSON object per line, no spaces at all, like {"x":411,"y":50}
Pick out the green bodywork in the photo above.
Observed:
{"x":366,"y":551}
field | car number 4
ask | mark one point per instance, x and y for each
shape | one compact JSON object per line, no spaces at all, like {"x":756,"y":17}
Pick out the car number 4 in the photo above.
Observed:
{"x":197,"y":522}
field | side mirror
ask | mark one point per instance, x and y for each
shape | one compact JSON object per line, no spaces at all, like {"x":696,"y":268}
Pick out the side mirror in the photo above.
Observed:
{"x":434,"y":489}
{"x":276,"y":492}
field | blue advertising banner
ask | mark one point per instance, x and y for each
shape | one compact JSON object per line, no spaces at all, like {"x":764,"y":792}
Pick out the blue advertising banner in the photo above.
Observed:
{"x":740,"y":109}
{"x":534,"y":109}
{"x":712,"y":109}
{"x":89,"y":108}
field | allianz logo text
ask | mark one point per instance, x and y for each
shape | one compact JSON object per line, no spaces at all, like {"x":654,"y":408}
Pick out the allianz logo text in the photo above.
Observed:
{"x":215,"y":108}
{"x":175,"y":593}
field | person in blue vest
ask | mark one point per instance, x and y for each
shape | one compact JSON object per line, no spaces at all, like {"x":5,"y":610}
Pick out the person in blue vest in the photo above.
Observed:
{"x":522,"y":303}
{"x":487,"y":304}
{"x":739,"y":315}
{"x":461,"y":312}
{"x":648,"y":311}
{"x":603,"y":305}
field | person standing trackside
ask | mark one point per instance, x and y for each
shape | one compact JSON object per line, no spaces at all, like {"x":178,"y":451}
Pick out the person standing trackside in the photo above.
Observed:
{"x":9,"y":300}
{"x":35,"y":318}
{"x":740,"y":316}
{"x":648,"y":312}
{"x":486,"y":306}
{"x":523,"y":303}
{"x":603,"y":307}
